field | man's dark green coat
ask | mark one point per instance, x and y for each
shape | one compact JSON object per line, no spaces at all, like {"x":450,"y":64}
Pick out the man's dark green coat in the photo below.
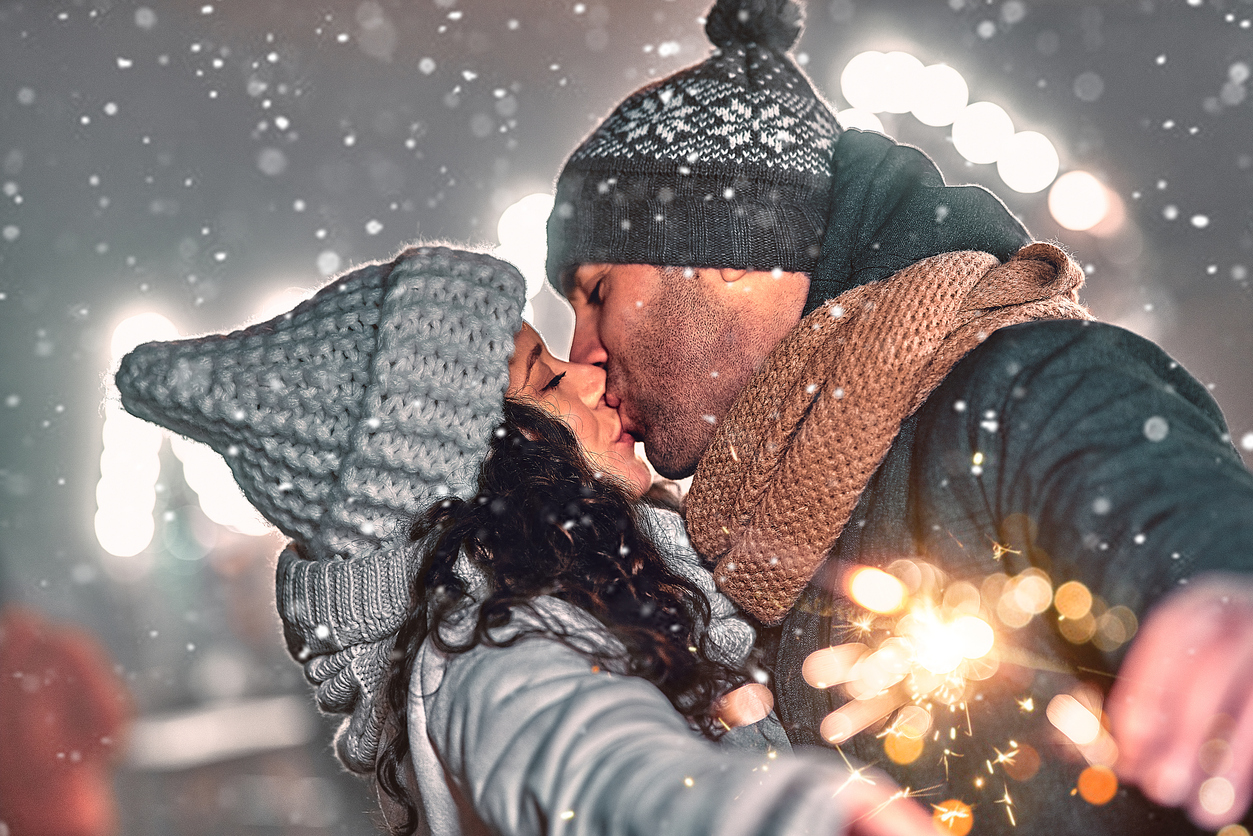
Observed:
{"x":1100,"y":460}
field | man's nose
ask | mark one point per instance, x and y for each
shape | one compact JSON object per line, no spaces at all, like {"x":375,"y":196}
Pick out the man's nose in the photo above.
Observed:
{"x":586,"y":346}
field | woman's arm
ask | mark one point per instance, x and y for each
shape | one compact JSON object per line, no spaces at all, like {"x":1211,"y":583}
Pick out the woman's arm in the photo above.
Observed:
{"x":541,"y":741}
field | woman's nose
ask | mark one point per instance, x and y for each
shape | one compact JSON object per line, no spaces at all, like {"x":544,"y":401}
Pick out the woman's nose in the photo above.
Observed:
{"x":589,"y":382}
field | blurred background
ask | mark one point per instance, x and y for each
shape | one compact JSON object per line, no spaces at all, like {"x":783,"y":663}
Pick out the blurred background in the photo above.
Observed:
{"x":173,"y":167}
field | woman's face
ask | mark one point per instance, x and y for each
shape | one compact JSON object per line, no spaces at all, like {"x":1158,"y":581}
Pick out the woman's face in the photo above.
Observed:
{"x":574,"y":393}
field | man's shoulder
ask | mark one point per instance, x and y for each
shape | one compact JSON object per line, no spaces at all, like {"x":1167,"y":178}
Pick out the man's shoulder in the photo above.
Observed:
{"x":1062,"y":347}
{"x":1032,"y":367}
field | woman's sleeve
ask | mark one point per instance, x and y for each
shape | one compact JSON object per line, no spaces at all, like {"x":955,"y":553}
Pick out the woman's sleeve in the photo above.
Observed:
{"x":540,"y":741}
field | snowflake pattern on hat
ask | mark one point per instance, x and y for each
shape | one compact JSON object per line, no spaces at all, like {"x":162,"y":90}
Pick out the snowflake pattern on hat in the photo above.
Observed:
{"x":699,"y":117}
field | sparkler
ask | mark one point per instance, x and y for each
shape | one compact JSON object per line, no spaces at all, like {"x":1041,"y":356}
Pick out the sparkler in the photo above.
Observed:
{"x":922,"y":643}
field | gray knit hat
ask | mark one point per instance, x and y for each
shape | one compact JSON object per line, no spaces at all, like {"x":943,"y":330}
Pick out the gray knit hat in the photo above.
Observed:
{"x":723,"y":164}
{"x":341,"y":420}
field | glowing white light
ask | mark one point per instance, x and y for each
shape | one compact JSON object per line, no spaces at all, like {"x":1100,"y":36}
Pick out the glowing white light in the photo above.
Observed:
{"x":1028,"y":162}
{"x":220,"y":497}
{"x":280,"y":303}
{"x":1078,"y":200}
{"x":935,"y":645}
{"x":1216,"y":795}
{"x":523,"y":233}
{"x":142,"y":328}
{"x":941,"y":95}
{"x":861,"y":81}
{"x":130,"y":462}
{"x":899,"y":83}
{"x":981,"y":131}
{"x":855,"y":117}
{"x":876,"y":590}
{"x":973,"y":636}
{"x":124,"y":535}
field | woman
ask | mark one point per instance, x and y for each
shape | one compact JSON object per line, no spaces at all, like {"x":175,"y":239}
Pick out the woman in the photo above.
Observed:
{"x":552,"y":663}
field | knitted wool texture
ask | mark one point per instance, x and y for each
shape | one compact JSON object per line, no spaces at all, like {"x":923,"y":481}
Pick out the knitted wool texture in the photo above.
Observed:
{"x":341,"y":420}
{"x":723,"y":164}
{"x":789,"y":462}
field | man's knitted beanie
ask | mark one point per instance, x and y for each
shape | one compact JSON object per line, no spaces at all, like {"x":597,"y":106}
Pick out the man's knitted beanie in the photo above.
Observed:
{"x":341,"y":420}
{"x":723,"y":164}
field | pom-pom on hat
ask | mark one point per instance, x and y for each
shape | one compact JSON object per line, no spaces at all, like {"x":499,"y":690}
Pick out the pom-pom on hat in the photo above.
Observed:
{"x":724,"y":164}
{"x":341,"y":420}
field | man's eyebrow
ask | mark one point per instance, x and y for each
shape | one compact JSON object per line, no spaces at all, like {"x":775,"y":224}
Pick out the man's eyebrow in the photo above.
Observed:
{"x":530,"y":364}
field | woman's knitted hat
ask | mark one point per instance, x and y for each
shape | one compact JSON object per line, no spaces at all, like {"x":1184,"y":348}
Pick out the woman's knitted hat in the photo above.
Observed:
{"x":723,"y":164}
{"x":341,"y":420}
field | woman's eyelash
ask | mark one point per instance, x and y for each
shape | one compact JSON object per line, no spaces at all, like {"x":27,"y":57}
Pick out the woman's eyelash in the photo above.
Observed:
{"x":554,"y":383}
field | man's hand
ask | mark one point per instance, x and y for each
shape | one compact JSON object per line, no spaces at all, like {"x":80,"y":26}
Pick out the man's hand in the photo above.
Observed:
{"x":1181,"y":710}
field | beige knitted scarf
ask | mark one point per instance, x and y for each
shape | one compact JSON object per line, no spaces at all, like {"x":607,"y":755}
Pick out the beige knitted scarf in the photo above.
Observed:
{"x":789,"y":462}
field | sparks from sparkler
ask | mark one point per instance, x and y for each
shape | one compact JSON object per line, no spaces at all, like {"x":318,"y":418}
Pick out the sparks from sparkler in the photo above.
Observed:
{"x":999,"y":551}
{"x":1004,"y":757}
{"x":953,"y":816}
{"x":856,"y":775}
{"x":1009,"y":805}
{"x":900,"y":795}
{"x":926,"y":656}
{"x":923,"y":643}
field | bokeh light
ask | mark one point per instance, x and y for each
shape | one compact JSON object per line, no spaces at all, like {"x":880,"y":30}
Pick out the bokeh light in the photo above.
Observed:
{"x":855,"y":117}
{"x":1098,"y":784}
{"x":1078,"y":201}
{"x":861,"y":81}
{"x":981,"y":132}
{"x":972,"y":636}
{"x":130,"y":462}
{"x":875,"y":590}
{"x":220,"y":496}
{"x":1028,"y":162}
{"x":899,"y":83}
{"x":942,"y":95}
{"x":903,"y":749}
{"x":1072,"y":600}
{"x":1023,"y":764}
{"x":953,"y":817}
{"x":523,"y":234}
{"x":137,"y":330}
{"x":937,"y":95}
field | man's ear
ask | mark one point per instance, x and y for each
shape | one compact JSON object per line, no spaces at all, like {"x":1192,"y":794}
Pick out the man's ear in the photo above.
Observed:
{"x":731,"y":275}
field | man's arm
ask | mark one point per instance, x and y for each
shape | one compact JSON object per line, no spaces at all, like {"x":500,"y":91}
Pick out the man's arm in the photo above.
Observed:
{"x":1115,"y":468}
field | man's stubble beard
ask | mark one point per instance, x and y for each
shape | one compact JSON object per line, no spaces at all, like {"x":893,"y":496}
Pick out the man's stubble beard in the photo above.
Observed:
{"x":672,"y":414}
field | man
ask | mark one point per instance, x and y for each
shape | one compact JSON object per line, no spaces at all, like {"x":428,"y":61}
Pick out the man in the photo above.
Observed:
{"x":709,"y":213}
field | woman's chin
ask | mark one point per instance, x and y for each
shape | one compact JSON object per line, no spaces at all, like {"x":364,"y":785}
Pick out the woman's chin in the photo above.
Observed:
{"x":630,"y":472}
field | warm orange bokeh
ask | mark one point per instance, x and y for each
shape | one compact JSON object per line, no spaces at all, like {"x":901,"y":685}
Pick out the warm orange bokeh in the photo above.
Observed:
{"x":65,"y":712}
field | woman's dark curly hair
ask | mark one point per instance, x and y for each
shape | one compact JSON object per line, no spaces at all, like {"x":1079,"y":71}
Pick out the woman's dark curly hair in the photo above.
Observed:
{"x":544,"y":522}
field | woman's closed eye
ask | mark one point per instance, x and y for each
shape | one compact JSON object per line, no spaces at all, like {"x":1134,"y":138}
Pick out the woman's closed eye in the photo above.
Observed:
{"x":554,"y":383}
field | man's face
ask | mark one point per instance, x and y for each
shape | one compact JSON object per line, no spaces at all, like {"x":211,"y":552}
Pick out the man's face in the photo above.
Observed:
{"x":677,"y":345}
